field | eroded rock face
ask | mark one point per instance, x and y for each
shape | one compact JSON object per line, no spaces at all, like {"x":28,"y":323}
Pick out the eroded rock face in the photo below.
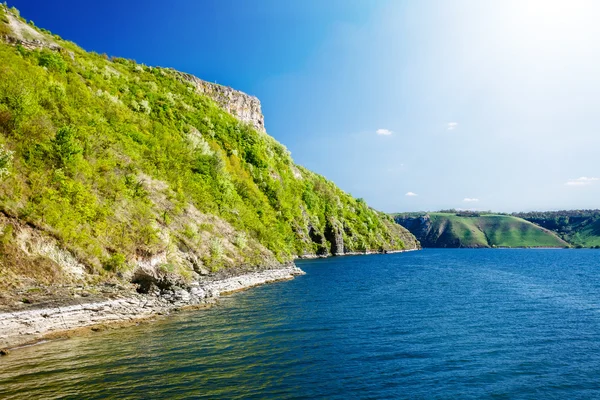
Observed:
{"x":334,"y":234}
{"x":150,"y":281}
{"x":25,"y":35}
{"x":151,"y":275}
{"x":420,"y":226}
{"x":244,"y":107}
{"x":319,"y":239}
{"x":32,"y":255}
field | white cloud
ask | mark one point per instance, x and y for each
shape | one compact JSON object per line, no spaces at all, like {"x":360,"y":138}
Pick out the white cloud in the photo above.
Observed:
{"x":582,"y":181}
{"x":411,"y":194}
{"x":452,"y":126}
{"x":470,"y":200}
{"x":384,"y":132}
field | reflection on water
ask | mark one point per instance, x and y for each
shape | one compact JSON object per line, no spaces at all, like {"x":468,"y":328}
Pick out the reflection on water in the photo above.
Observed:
{"x":200,"y":354}
{"x":437,"y":323}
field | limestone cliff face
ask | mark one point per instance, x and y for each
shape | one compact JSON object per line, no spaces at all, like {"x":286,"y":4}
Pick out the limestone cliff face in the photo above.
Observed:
{"x":244,"y":107}
{"x":239,"y":104}
{"x":185,"y":236}
{"x":430,"y":234}
{"x":337,"y":239}
{"x":25,"y":35}
{"x":419,"y":226}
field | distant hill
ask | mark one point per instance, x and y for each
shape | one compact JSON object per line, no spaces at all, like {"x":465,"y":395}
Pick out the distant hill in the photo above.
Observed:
{"x":445,"y":229}
{"x":581,"y":228}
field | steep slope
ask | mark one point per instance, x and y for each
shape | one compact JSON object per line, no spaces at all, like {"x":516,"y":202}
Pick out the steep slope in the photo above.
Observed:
{"x":116,"y":168}
{"x":451,"y":230}
{"x":581,"y":228}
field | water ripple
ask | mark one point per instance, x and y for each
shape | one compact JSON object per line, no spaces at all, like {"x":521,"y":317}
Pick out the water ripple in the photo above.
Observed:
{"x":435,"y":324}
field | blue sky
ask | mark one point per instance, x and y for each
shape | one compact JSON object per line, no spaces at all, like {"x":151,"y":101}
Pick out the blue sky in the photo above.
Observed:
{"x":412,"y":105}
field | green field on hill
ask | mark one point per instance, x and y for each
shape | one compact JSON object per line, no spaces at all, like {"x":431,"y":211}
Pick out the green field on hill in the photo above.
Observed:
{"x":586,"y":236}
{"x":581,"y":228}
{"x":491,"y":230}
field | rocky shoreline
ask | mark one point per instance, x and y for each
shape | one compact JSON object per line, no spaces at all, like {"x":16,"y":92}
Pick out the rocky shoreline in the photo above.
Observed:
{"x":30,"y":326}
{"x":354,"y":253}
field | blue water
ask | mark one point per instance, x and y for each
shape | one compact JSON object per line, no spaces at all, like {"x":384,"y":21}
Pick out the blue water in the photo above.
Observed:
{"x":431,"y":324}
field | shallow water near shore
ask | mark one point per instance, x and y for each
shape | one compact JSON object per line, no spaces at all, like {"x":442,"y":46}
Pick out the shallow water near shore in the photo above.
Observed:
{"x":431,"y":324}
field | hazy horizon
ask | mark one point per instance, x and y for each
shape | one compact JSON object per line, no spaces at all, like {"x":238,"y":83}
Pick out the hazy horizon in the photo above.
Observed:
{"x":412,"y":106}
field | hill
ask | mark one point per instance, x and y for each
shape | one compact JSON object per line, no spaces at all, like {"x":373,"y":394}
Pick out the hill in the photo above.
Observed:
{"x":112,"y":169}
{"x":581,"y":228}
{"x":474,"y":230}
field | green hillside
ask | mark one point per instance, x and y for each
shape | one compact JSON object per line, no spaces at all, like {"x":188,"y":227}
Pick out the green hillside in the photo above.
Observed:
{"x":586,"y":236}
{"x":120,"y":165}
{"x":581,"y":228}
{"x":452,"y":230}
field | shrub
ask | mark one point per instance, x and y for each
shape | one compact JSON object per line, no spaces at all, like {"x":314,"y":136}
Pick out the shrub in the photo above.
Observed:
{"x":6,"y":235}
{"x":52,"y":61}
{"x":115,"y":263}
{"x":206,"y":227}
{"x":189,"y":232}
{"x":3,"y":17}
{"x":240,"y":240}
{"x":166,"y":268}
{"x":6,"y":157}
{"x":66,"y":146}
{"x":216,"y":249}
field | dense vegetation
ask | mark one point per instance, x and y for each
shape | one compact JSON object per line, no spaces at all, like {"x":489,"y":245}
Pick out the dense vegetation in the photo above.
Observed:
{"x":581,"y":228}
{"x":119,"y":161}
{"x":444,"y":229}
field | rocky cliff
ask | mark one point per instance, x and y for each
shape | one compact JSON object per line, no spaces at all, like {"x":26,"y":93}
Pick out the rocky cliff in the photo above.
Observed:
{"x":117,"y":178}
{"x":244,"y":107}
{"x":112,"y":170}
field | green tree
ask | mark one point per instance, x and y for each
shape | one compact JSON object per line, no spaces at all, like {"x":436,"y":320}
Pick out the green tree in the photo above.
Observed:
{"x":66,"y":146}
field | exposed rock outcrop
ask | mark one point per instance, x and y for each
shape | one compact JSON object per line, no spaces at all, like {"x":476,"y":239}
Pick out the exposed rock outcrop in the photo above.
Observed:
{"x":336,"y":240}
{"x":420,"y":225}
{"x":318,"y":238}
{"x":244,"y":107}
{"x":334,"y":233}
{"x":26,"y":36}
{"x":239,"y":104}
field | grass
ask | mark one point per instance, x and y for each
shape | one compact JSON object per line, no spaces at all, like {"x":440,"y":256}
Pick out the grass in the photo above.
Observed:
{"x":581,"y":228}
{"x":586,"y":236}
{"x":450,"y":230}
